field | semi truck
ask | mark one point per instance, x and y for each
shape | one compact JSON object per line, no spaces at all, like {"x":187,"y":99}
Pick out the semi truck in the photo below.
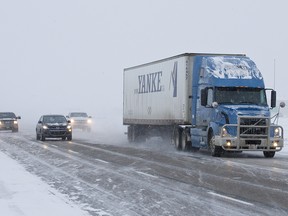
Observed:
{"x":202,"y":100}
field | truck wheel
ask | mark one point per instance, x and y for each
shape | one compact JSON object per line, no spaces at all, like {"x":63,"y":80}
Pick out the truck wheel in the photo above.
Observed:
{"x":186,"y":145}
{"x":269,"y":154}
{"x":37,"y":136}
{"x":177,"y":139}
{"x":69,"y":138}
{"x":216,"y":151}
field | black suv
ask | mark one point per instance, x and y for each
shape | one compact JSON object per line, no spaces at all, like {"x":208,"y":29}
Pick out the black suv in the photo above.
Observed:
{"x":8,"y":121}
{"x":53,"y":126}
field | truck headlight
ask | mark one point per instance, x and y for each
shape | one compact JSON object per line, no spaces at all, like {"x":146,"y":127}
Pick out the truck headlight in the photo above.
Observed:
{"x":72,"y":120}
{"x":228,"y":143}
{"x":224,"y":132}
{"x":15,"y":122}
{"x":45,"y":127}
{"x":89,"y":121}
{"x":275,"y":144}
{"x":277,"y":132}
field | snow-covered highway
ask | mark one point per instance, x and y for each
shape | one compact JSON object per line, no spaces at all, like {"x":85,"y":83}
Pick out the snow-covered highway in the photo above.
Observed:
{"x":118,"y":178}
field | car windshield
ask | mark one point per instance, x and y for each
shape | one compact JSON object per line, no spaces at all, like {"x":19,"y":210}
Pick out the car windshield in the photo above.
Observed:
{"x":78,"y":115}
{"x":54,"y":119}
{"x":7,"y":115}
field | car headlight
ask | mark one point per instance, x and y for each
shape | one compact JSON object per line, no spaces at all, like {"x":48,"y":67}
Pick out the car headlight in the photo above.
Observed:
{"x":44,"y":127}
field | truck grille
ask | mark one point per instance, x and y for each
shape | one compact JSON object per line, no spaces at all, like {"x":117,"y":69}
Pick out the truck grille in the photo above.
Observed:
{"x":253,"y":127}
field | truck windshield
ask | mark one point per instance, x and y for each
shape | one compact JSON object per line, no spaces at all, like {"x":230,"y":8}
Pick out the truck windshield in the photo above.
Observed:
{"x":240,"y":95}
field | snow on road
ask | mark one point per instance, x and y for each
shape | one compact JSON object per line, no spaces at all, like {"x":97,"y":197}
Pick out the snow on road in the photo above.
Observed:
{"x":23,"y":194}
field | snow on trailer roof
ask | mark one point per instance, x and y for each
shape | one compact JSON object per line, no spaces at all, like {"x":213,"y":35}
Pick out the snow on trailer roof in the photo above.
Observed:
{"x":182,"y":55}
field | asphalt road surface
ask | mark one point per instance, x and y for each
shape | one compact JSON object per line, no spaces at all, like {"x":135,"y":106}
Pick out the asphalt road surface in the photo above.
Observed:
{"x":153,"y":178}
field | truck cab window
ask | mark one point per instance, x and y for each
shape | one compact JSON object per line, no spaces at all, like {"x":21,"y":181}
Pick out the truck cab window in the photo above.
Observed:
{"x":209,"y":97}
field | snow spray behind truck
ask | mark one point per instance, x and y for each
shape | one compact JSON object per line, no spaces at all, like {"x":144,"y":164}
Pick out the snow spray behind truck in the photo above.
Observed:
{"x":214,"y":101}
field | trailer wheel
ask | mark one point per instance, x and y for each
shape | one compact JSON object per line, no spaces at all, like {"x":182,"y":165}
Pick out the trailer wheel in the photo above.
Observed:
{"x":177,"y":139}
{"x":269,"y":154}
{"x":131,"y":134}
{"x":216,"y":151}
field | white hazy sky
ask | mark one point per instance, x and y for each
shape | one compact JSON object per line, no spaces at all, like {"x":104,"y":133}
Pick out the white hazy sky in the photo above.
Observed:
{"x":58,"y":56}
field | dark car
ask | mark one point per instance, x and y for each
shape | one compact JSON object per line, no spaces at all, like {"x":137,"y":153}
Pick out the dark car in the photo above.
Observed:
{"x":9,"y":121}
{"x":53,"y":126}
{"x":80,"y":120}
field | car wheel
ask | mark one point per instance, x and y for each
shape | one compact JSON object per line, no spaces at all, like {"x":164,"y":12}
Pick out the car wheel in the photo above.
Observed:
{"x":37,"y":136}
{"x":69,"y":138}
{"x":42,"y":137}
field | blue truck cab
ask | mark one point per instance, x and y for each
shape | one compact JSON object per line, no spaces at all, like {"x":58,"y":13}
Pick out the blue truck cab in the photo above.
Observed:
{"x":229,"y":107}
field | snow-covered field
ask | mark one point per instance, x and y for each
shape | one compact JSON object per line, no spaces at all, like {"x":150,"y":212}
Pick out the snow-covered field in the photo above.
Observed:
{"x":23,"y":194}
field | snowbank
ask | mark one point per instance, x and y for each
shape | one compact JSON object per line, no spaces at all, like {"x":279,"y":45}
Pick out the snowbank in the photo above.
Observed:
{"x":22,"y":193}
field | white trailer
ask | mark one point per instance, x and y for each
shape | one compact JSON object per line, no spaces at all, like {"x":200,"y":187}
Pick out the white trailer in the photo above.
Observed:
{"x":153,"y":96}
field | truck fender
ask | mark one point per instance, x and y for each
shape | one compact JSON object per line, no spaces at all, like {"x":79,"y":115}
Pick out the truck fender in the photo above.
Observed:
{"x":214,"y":128}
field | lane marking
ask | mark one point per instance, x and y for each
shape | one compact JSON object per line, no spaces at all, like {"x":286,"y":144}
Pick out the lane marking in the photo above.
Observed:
{"x":74,"y":152}
{"x":102,"y":161}
{"x":146,"y":174}
{"x":230,"y":198}
{"x":55,"y":146}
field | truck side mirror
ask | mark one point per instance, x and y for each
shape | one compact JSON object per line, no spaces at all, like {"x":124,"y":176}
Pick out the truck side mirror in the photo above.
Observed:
{"x":204,"y":97}
{"x":273,"y":98}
